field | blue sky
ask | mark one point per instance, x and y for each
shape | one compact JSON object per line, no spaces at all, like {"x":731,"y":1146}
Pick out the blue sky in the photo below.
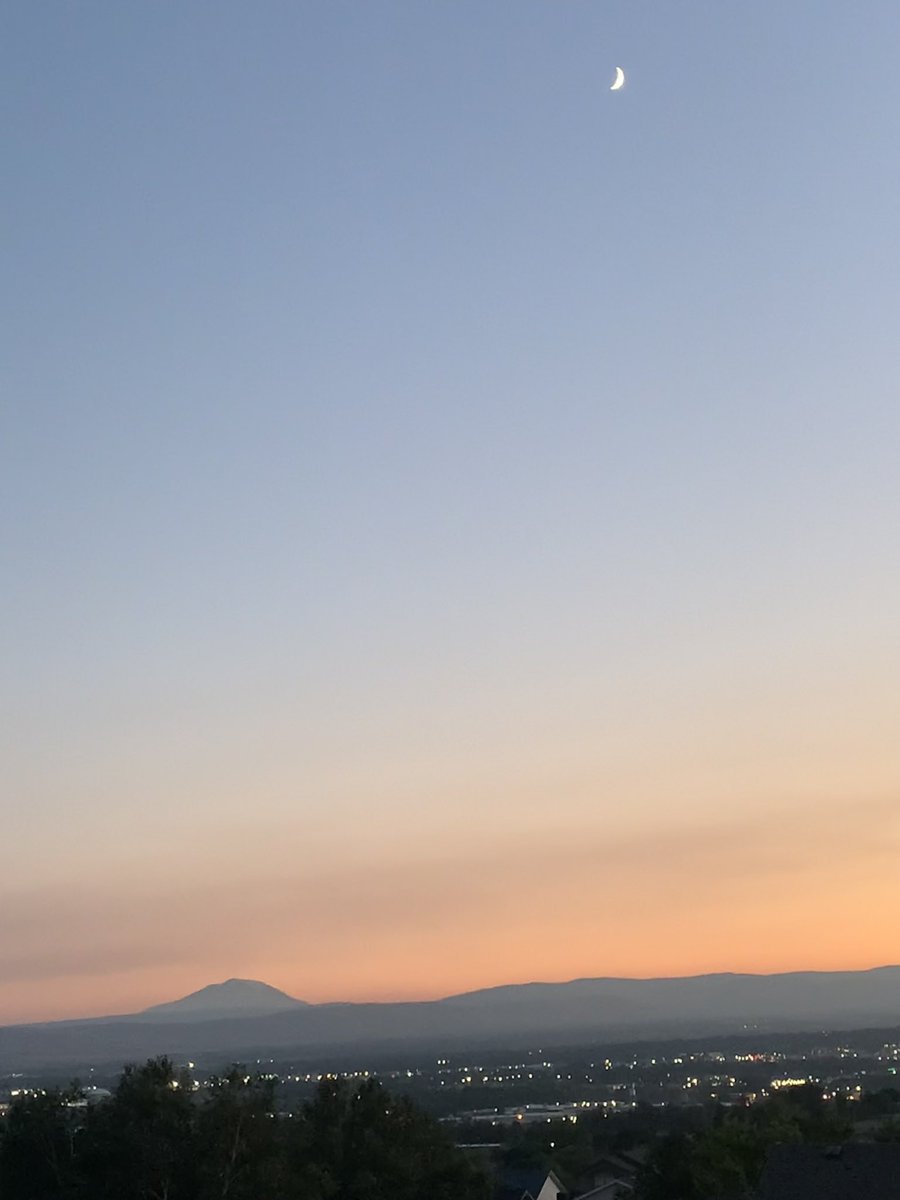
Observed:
{"x":403,"y":432}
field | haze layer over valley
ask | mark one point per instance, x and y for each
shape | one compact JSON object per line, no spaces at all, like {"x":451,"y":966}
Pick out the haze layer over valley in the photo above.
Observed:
{"x":244,"y":1016}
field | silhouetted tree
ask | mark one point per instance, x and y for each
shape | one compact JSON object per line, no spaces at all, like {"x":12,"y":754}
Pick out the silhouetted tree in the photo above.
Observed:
{"x":139,"y":1145}
{"x":239,"y":1151}
{"x":157,"y":1138}
{"x":883,"y":1103}
{"x":363,"y":1144}
{"x":888,"y":1131}
{"x":669,"y":1172}
{"x":727,"y":1158}
{"x":37,"y":1150}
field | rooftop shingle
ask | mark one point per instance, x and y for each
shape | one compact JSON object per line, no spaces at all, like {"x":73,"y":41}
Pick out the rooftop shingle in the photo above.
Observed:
{"x":864,"y":1171}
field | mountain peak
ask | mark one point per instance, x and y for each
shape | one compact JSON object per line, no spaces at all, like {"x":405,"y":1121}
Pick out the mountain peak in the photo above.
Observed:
{"x":231,"y":998}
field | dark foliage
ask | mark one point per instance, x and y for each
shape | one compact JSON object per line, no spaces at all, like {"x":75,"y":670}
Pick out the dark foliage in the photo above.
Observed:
{"x":37,"y":1152}
{"x":727,"y":1158}
{"x":362,"y":1144}
{"x":156,"y":1138}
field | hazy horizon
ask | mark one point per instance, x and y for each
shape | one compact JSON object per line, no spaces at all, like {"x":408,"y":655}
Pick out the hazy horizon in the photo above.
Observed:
{"x":449,"y":508}
{"x":414,"y":998}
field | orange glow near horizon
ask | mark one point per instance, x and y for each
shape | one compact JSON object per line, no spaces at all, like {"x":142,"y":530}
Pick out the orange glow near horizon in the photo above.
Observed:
{"x":738,"y":896}
{"x":443,"y":546}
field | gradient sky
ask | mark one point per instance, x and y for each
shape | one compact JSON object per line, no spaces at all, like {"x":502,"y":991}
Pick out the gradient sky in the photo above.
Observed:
{"x":450,"y":511}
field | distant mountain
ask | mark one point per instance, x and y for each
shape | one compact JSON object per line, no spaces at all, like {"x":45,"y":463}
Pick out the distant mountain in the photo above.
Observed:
{"x":239,"y":1019}
{"x":813,"y":997}
{"x":233,"y":998}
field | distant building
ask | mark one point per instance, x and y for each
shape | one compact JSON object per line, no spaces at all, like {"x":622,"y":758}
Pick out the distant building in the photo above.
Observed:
{"x":89,"y":1096}
{"x":858,"y":1171}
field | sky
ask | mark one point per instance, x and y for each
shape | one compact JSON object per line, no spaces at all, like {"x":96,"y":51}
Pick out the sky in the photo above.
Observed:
{"x":448,"y":510}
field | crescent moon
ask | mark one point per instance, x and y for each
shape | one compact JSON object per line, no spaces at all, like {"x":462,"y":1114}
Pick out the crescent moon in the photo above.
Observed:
{"x":620,"y":80}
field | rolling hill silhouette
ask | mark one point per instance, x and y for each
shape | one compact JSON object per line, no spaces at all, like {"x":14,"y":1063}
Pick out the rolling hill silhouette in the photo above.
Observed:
{"x":242,"y":1017}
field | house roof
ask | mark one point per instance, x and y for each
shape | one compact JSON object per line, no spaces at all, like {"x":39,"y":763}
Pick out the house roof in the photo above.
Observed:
{"x":869,"y":1170}
{"x":615,"y":1169}
{"x":621,"y":1163}
{"x":614,"y":1187}
{"x":518,"y":1184}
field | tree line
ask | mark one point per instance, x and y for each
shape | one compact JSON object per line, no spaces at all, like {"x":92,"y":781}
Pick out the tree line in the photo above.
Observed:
{"x":726,"y":1158}
{"x":158,"y":1138}
{"x":695,"y":1153}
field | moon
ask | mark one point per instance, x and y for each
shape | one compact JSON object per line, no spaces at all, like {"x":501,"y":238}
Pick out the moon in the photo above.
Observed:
{"x":620,"y":80}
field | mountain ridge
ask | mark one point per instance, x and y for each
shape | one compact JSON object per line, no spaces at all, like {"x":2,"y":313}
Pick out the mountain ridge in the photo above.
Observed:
{"x":232,"y":997}
{"x":217,"y":1019}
